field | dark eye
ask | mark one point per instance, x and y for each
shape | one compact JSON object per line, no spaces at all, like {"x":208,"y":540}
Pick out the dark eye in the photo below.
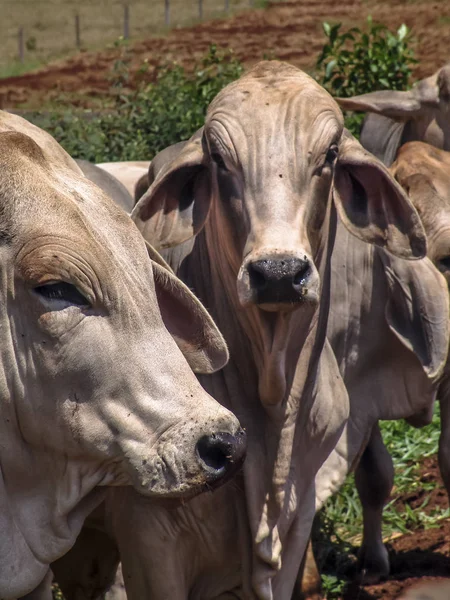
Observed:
{"x":443,"y":264}
{"x":66,"y":292}
{"x":217,"y":158}
{"x":331,"y":154}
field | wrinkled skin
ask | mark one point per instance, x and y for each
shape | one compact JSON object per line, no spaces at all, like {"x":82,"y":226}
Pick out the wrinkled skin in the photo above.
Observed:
{"x":245,"y":212}
{"x":420,"y":114}
{"x":80,"y":293}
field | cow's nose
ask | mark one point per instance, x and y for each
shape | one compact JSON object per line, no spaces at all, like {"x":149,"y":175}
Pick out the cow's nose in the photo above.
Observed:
{"x":221,"y":454}
{"x":279,"y":279}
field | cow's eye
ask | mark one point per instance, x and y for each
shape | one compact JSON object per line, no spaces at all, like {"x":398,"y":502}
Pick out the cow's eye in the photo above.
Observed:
{"x":62,"y":291}
{"x":331,"y":154}
{"x":217,"y":158}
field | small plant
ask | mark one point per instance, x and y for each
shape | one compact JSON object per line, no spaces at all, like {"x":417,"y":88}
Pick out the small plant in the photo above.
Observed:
{"x":145,"y":120}
{"x":356,"y":62}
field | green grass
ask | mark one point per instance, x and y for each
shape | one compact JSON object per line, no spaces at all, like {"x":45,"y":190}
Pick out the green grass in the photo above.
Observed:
{"x":15,"y":67}
{"x":341,"y":518}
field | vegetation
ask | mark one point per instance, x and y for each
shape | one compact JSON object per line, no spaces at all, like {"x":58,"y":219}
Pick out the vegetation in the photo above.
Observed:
{"x":144,"y":121}
{"x":356,"y":62}
{"x":341,"y":518}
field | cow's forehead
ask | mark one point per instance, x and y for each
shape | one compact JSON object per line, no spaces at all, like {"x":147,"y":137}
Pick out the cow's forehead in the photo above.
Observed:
{"x":275,"y":99}
{"x":41,"y":199}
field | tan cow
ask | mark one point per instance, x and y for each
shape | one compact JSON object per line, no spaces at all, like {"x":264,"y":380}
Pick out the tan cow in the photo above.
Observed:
{"x":247,"y":203}
{"x":424,"y":173}
{"x":94,"y":391}
{"x":127,"y":172}
{"x":422,"y":114}
{"x":248,"y":207}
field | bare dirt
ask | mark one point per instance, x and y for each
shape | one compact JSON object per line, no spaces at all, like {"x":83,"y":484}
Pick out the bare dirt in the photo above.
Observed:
{"x":416,"y":558}
{"x":289,"y":30}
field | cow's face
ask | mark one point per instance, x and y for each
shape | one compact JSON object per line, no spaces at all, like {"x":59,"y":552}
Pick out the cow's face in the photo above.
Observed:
{"x":423,"y":172}
{"x":272,"y":150}
{"x":272,"y":176}
{"x":89,"y":329}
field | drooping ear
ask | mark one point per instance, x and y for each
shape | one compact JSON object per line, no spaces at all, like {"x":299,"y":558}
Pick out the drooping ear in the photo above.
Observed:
{"x":189,"y":323}
{"x":372,"y":205}
{"x":176,"y":205}
{"x":417,"y":310}
{"x":389,"y":103}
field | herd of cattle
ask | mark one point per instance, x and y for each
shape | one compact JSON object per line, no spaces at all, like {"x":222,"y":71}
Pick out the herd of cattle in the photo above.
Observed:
{"x":323,"y":267}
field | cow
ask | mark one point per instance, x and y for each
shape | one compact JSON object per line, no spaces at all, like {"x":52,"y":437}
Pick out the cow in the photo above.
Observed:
{"x":127,"y":172}
{"x":246,"y":214}
{"x":423,"y":172}
{"x":108,"y":183}
{"x":404,"y":383}
{"x":420,"y":114}
{"x":94,"y":391}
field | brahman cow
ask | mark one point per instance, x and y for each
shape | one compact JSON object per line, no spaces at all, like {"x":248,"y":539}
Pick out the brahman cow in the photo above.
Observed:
{"x":422,"y":114}
{"x":246,"y":211}
{"x":390,"y":372}
{"x":108,"y":183}
{"x":247,"y":208}
{"x":94,"y":391}
{"x":424,"y":173}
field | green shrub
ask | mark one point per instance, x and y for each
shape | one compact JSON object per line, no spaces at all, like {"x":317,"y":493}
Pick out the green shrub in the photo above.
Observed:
{"x":356,"y":62}
{"x":144,"y":121}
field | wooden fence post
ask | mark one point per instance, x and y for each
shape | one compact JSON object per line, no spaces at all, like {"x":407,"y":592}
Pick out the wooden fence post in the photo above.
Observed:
{"x":167,"y":12}
{"x":21,"y":45}
{"x":227,"y":5}
{"x":126,"y":22}
{"x":77,"y":32}
{"x":200,"y":9}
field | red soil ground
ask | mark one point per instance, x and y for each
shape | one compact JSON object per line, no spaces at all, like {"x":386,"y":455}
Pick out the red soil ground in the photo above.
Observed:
{"x":289,"y":30}
{"x":416,"y":558}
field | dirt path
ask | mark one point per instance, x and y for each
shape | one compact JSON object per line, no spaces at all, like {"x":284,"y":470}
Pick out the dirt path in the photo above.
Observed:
{"x":289,"y":30}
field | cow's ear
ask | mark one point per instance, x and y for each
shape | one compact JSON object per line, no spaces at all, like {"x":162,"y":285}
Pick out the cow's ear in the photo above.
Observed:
{"x":188,"y":322}
{"x":176,"y":205}
{"x":372,"y":205}
{"x":392,"y":104}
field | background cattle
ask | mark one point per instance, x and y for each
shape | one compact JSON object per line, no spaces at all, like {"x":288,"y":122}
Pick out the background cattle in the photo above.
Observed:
{"x":395,"y":118}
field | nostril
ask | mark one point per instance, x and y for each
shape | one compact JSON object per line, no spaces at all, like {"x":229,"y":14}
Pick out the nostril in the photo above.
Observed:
{"x":214,"y":452}
{"x":302,"y":273}
{"x":258,"y":280}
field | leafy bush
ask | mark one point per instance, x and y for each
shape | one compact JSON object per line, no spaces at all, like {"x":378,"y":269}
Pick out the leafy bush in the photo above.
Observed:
{"x":356,"y":62}
{"x":144,"y":121}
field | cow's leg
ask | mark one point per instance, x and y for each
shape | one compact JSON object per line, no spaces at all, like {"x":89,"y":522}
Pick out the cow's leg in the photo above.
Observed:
{"x":444,"y":440}
{"x":43,"y":591}
{"x":374,"y":478}
{"x":308,"y":585}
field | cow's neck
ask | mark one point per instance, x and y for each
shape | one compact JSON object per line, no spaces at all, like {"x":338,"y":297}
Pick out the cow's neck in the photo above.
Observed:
{"x":274,"y":404}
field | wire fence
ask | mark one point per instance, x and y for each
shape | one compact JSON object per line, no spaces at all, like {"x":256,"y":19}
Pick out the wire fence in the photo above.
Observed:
{"x":43,"y":29}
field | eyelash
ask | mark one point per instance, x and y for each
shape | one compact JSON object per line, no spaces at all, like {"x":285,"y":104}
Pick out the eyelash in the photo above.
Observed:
{"x":63,"y":291}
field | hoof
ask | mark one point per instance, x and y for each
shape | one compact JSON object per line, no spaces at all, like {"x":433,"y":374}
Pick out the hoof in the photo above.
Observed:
{"x":372,"y":567}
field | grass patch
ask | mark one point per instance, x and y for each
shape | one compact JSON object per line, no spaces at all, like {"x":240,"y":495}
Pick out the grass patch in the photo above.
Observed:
{"x":15,"y":67}
{"x":341,"y":518}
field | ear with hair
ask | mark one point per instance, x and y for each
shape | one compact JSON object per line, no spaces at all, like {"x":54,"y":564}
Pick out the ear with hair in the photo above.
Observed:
{"x":176,"y":205}
{"x":372,"y":205}
{"x":188,"y":322}
{"x":392,"y":104}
